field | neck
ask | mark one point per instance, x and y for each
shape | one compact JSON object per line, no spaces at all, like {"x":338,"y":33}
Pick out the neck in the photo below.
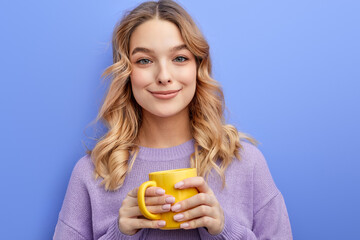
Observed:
{"x":164,"y":132}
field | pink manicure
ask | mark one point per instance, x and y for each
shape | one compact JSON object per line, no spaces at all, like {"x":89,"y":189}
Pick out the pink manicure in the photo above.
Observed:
{"x":170,"y":200}
{"x":175,"y":207}
{"x":184,"y":225}
{"x":160,"y":191}
{"x":161,"y":223}
{"x":179,"y":184}
{"x":166,"y":207}
{"x":178,"y":216}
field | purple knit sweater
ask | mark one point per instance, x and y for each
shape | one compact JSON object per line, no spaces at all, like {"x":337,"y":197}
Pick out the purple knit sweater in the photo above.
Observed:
{"x":253,"y":206}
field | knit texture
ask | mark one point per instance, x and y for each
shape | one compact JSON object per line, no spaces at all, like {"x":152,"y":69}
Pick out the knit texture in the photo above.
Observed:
{"x":253,"y":206}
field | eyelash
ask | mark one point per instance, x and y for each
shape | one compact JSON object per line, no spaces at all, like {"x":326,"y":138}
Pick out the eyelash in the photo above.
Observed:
{"x":185,"y":58}
{"x":149,"y":61}
{"x":143,"y":59}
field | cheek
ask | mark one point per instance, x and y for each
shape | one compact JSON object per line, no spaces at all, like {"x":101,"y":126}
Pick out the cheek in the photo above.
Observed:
{"x":188,"y":75}
{"x":188,"y":79}
{"x":138,"y":78}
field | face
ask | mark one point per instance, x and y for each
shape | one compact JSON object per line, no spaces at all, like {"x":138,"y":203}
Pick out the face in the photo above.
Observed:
{"x":163,"y":77}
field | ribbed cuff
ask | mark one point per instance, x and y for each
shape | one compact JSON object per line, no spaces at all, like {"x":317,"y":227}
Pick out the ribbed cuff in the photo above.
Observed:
{"x":114,"y":233}
{"x":232,"y":231}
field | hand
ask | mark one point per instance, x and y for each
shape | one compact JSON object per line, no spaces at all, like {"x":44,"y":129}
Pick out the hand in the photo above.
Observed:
{"x":201,"y":210}
{"x":130,"y":217}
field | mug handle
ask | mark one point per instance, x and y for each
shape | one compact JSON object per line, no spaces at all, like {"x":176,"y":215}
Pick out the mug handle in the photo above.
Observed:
{"x":141,"y":200}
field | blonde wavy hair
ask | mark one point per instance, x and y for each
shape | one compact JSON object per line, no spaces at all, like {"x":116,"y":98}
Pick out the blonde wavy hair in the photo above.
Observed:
{"x":214,"y":140}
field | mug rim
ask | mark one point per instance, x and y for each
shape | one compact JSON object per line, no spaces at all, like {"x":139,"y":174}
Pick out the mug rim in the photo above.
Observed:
{"x":172,"y":171}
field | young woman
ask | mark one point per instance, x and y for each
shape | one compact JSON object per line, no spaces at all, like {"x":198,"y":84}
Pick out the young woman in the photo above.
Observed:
{"x":164,"y":111}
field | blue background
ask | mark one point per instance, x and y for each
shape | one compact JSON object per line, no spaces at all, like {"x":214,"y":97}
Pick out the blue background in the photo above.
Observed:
{"x":290,"y":71}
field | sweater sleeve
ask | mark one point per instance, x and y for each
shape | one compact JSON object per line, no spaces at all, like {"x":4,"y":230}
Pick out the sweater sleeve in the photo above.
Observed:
{"x":74,"y":220}
{"x":114,"y":233}
{"x":270,"y":218}
{"x":272,"y":221}
{"x":232,"y":231}
{"x":75,"y":217}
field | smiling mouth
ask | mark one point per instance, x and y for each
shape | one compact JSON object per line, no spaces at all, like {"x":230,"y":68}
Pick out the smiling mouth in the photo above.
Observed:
{"x":165,"y":94}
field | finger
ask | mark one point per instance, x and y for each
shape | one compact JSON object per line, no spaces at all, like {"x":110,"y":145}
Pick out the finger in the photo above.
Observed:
{"x":133,"y":193}
{"x":135,"y":211}
{"x":195,"y":182}
{"x":151,"y":191}
{"x":194,"y":213}
{"x":144,"y":223}
{"x":154,"y":191}
{"x":129,"y":201}
{"x":206,"y":221}
{"x":194,"y":201}
{"x":151,"y":201}
{"x":132,"y":199}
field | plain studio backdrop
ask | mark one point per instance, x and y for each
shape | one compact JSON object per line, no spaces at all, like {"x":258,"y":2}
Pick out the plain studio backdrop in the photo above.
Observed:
{"x":290,"y":71}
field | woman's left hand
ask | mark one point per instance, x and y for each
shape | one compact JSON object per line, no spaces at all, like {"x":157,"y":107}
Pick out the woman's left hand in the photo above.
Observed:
{"x":201,"y":210}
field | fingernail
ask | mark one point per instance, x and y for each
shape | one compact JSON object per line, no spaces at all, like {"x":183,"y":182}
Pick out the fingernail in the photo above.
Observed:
{"x":160,"y":191}
{"x":161,"y":223}
{"x":175,"y":207}
{"x":166,"y":207}
{"x":170,"y":200}
{"x":179,"y":184}
{"x":184,"y":225}
{"x":178,"y":217}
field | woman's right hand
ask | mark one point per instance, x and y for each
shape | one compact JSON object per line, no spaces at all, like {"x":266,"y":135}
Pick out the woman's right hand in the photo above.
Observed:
{"x":130,"y":217}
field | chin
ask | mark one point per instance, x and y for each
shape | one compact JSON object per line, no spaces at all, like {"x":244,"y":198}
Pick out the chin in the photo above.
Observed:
{"x":165,"y":113}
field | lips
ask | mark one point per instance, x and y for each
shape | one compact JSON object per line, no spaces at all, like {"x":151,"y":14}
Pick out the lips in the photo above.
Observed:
{"x":165,"y":94}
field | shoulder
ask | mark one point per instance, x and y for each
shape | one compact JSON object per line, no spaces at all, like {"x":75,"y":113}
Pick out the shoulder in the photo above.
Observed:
{"x":263,"y":183}
{"x":250,"y":162}
{"x":251,"y":155}
{"x":84,"y":162}
{"x":83,"y":169}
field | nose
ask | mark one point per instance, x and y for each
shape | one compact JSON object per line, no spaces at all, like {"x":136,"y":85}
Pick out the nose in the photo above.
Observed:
{"x":163,"y":76}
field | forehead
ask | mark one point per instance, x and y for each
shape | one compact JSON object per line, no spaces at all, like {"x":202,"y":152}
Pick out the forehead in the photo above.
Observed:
{"x":157,"y":35}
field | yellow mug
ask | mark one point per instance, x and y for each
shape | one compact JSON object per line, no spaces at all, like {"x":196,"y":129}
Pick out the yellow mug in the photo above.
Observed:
{"x":166,"y":180}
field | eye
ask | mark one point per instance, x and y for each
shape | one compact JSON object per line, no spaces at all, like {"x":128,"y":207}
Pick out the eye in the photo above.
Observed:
{"x":180,"y":59}
{"x":143,"y":61}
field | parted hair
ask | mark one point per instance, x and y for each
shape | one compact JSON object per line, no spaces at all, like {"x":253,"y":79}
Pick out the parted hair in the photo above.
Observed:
{"x":216,"y":143}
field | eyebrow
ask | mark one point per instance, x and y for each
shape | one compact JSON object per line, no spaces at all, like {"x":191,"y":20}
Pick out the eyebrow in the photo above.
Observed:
{"x":146,"y":50}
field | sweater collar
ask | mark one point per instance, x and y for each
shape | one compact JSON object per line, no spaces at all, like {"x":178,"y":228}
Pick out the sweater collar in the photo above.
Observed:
{"x":165,"y":154}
